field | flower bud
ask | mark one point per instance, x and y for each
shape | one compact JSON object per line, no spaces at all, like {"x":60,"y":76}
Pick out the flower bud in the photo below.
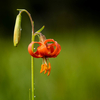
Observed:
{"x":17,"y":30}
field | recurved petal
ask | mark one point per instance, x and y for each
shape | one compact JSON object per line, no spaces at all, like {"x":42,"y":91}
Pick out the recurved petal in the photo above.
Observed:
{"x":34,"y":54}
{"x":56,"y":50}
{"x":48,"y":40}
{"x":51,"y":51}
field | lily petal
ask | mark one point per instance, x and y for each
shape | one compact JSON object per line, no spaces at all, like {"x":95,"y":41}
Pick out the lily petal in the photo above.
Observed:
{"x":34,"y":54}
{"x":56,"y":50}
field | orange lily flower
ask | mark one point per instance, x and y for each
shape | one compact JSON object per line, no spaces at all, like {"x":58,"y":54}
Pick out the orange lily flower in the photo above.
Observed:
{"x":45,"y":50}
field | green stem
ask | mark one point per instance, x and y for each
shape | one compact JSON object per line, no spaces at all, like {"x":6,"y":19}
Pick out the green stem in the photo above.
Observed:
{"x":32,"y":59}
{"x":32,"y":71}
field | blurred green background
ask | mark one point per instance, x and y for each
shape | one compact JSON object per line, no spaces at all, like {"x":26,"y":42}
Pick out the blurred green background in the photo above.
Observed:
{"x":75,"y":73}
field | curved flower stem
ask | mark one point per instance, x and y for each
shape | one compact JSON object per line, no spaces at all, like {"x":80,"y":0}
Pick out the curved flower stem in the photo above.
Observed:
{"x":32,"y":23}
{"x":32,"y":59}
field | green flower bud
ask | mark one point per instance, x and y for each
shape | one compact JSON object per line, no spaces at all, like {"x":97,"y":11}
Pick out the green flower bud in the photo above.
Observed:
{"x":17,"y":30}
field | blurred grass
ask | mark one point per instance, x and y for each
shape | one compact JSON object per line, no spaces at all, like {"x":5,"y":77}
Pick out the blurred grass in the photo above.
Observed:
{"x":75,"y":73}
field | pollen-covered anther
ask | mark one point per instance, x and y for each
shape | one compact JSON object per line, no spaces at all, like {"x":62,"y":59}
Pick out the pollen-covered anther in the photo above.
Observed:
{"x":46,"y":68}
{"x":42,"y":68}
{"x":49,"y":68}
